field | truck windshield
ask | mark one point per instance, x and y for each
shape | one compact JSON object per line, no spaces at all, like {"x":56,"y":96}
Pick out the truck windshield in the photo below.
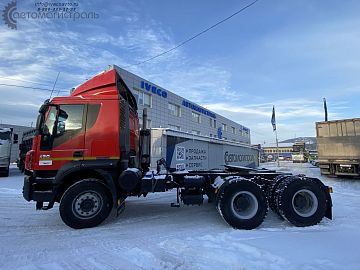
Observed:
{"x":5,"y":136}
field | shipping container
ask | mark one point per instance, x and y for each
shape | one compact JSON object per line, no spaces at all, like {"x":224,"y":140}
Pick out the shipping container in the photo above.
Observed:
{"x":185,"y":151}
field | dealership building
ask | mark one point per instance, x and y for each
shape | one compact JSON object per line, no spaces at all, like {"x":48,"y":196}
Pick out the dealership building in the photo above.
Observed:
{"x":169,"y":110}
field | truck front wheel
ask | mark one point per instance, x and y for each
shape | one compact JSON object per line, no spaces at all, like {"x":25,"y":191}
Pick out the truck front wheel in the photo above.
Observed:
{"x":85,"y":204}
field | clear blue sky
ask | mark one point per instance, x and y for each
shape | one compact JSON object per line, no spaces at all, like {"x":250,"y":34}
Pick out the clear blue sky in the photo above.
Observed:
{"x":289,"y":54}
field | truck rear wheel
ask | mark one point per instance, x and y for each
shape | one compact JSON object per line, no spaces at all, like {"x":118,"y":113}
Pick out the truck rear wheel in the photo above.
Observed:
{"x":273,"y":191}
{"x":301,"y":201}
{"x":85,"y":204}
{"x":243,"y":204}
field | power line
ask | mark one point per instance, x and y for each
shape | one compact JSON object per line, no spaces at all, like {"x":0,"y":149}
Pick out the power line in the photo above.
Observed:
{"x":29,"y":87}
{"x":193,"y":37}
{"x":21,"y":80}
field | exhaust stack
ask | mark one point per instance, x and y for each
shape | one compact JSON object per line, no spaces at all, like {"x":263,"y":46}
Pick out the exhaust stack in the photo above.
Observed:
{"x":145,"y":144}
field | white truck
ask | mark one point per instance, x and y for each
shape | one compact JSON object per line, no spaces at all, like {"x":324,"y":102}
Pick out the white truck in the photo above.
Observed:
{"x":299,"y":153}
{"x":6,"y":141}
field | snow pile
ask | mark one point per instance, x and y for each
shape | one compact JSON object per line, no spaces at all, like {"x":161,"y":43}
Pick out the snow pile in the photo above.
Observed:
{"x":150,"y":234}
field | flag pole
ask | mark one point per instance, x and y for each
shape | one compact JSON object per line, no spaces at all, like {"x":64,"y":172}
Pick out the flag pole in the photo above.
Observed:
{"x":273,"y":122}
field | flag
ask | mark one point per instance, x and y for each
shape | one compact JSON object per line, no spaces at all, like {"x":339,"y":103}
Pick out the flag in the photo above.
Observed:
{"x":273,"y":122}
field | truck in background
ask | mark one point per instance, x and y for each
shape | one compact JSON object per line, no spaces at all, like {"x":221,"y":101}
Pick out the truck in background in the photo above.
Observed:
{"x":299,"y":153}
{"x":338,"y":144}
{"x":7,"y":138}
{"x":24,"y":147}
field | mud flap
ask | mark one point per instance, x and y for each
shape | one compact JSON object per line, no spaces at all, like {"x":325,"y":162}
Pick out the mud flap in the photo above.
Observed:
{"x":329,"y":205}
{"x":120,"y":207}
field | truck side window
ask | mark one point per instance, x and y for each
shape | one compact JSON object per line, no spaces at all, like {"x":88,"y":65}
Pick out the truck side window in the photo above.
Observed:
{"x":70,"y":123}
{"x":70,"y":118}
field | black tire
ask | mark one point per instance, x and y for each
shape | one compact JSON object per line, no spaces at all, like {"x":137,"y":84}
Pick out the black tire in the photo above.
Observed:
{"x":273,"y":191}
{"x":85,"y":204}
{"x":301,"y":201}
{"x":242,"y":204}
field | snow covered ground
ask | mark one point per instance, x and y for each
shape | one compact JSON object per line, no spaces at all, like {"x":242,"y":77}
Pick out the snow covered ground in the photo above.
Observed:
{"x":150,"y":234}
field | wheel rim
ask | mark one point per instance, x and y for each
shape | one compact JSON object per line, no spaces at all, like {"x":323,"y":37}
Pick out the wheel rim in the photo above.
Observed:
{"x":87,"y":204}
{"x":305,"y":203}
{"x":244,"y":205}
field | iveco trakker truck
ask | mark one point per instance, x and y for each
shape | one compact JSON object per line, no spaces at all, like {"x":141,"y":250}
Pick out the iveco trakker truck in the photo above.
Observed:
{"x":338,"y":144}
{"x":89,"y":155}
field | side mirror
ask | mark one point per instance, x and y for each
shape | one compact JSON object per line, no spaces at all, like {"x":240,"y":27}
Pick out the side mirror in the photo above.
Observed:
{"x":16,"y":138}
{"x":60,"y":128}
{"x":63,"y":114}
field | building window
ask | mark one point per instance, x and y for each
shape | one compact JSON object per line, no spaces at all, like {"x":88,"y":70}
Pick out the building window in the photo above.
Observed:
{"x":224,"y":127}
{"x":147,"y":100}
{"x":174,"y":109}
{"x":232,"y":130}
{"x":142,"y":98}
{"x":195,"y":117}
{"x":174,"y":127}
{"x":212,"y":123}
{"x":148,"y":123}
{"x":138,"y":96}
{"x":196,"y":132}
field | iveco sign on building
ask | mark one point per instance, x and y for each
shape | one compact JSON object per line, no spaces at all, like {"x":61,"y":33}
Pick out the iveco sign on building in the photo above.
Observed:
{"x":152,"y":88}
{"x":169,"y":110}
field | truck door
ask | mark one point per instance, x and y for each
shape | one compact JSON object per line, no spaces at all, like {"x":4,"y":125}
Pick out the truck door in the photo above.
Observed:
{"x":63,"y":136}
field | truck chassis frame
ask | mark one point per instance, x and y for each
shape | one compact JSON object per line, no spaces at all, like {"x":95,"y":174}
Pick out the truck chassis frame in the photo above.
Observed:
{"x":242,"y":195}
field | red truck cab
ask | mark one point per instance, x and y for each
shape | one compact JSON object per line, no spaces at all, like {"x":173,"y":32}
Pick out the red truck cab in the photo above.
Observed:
{"x":83,"y":126}
{"x":94,"y":132}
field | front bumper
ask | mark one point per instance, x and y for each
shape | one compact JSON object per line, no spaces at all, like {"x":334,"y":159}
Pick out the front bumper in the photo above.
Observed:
{"x":40,"y":190}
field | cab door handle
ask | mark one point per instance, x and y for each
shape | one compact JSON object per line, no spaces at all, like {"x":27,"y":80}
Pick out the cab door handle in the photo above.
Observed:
{"x":78,"y":154}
